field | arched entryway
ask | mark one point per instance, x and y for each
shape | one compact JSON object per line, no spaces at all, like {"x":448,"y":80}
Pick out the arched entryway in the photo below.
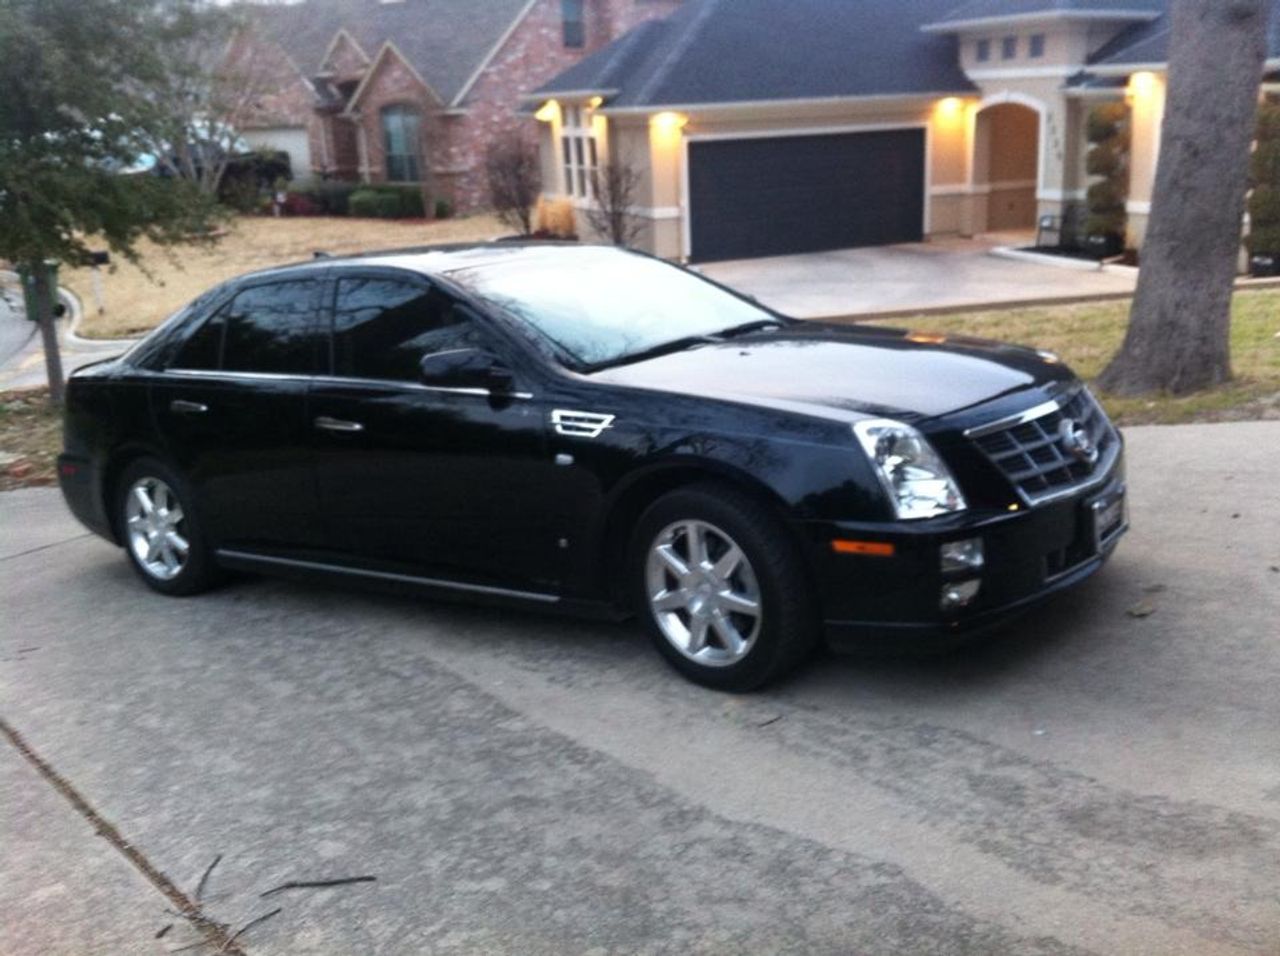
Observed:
{"x":1006,"y":166}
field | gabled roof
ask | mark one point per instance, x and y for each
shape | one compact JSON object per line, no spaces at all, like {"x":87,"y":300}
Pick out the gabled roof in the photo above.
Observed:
{"x":1148,"y":45}
{"x":445,"y":41}
{"x":978,"y":13}
{"x":737,"y":51}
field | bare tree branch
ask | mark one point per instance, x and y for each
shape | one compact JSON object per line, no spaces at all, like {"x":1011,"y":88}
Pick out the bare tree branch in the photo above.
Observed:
{"x":616,"y":186}
{"x":515,"y":180}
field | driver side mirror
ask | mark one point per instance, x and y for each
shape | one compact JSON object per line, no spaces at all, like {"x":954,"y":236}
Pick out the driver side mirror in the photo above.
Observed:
{"x":465,"y":368}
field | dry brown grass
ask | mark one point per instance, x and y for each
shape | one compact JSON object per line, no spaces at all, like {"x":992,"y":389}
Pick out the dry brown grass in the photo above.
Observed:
{"x":136,"y":301}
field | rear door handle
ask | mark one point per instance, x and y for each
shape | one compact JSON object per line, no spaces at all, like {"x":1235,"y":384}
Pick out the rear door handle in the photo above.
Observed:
{"x":181,"y":406}
{"x":337,"y":425}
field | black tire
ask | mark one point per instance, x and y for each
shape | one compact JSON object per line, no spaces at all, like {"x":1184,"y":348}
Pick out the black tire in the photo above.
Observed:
{"x":788,"y":627}
{"x":197,"y":571}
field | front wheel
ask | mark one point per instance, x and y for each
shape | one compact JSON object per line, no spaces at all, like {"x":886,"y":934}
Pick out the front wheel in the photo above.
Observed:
{"x":722,"y":588}
{"x":160,"y":531}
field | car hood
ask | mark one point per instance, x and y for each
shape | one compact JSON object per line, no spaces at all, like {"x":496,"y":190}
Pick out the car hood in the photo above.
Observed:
{"x":846,"y":372}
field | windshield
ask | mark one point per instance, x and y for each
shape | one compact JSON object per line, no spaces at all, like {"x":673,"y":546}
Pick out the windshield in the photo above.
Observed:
{"x":600,"y":306}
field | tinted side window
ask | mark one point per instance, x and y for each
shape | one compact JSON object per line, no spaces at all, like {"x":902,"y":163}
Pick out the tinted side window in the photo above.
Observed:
{"x":272,"y":328}
{"x":383,"y":327}
{"x":203,"y":350}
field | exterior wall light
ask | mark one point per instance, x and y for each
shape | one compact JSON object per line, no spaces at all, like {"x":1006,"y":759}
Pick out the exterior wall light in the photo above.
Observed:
{"x":669,"y":122}
{"x":547,"y":112}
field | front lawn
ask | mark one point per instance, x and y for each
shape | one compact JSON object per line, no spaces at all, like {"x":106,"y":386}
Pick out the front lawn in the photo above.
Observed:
{"x":1086,"y":336}
{"x":136,"y":302}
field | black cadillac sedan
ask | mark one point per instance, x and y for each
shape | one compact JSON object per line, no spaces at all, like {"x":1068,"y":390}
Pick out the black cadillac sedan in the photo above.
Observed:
{"x":599,"y":431}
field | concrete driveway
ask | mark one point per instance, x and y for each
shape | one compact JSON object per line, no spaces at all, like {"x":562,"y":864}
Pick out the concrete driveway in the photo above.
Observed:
{"x":940,"y":274}
{"x":1090,"y":782}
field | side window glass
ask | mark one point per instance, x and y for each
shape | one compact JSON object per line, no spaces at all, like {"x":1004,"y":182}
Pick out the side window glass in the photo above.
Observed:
{"x":382,"y":328}
{"x":271,"y":328}
{"x":203,"y":350}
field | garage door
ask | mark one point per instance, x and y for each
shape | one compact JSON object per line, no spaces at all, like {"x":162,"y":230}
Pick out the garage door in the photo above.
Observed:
{"x":790,"y":194}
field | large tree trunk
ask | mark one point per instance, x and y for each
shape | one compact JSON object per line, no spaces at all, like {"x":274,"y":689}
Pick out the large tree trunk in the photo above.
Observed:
{"x":45,"y":296}
{"x":1179,"y":332}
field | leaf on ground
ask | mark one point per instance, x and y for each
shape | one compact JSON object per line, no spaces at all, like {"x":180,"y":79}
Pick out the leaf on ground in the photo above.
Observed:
{"x":1142,"y":609}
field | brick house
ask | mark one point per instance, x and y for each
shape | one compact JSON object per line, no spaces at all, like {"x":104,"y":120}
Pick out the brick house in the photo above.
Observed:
{"x":413,"y":91}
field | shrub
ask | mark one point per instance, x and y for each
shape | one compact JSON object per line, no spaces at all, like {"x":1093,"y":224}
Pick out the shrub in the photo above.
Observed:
{"x":555,"y":218}
{"x":300,"y":204}
{"x":1105,"y":159}
{"x":1264,"y":204}
{"x":444,"y":209}
{"x":514,"y":175}
{"x":331,"y":199}
{"x":1105,"y":121}
{"x":387,"y":202}
{"x":1108,"y":130}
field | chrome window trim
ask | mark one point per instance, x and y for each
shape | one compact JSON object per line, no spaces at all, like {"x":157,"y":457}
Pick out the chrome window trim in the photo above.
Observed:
{"x":342,"y":380}
{"x":390,"y":576}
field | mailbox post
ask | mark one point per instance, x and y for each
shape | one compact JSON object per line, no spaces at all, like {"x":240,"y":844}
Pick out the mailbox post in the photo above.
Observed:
{"x":97,"y":260}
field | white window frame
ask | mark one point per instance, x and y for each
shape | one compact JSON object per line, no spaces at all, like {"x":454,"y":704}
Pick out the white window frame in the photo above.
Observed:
{"x":579,"y":152}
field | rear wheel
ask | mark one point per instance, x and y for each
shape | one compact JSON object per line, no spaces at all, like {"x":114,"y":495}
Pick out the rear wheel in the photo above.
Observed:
{"x":160,"y":531}
{"x":722,"y":588}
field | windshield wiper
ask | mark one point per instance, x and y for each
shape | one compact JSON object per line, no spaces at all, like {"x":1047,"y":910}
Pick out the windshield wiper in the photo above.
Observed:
{"x":748,"y":328}
{"x":665,"y":348}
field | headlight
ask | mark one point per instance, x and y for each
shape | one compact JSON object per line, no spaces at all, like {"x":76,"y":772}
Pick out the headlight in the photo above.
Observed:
{"x":915,"y":477}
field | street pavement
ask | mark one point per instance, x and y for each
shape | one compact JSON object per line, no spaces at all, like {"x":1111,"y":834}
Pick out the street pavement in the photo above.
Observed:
{"x":1088,"y":782}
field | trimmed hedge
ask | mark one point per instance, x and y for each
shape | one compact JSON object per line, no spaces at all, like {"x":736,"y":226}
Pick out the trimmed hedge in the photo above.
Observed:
{"x":388,"y":202}
{"x":1264,"y":204}
{"x":1108,"y":130}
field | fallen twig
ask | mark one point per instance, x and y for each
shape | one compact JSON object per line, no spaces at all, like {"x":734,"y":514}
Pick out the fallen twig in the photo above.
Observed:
{"x":196,"y":945}
{"x":317,"y":884}
{"x":164,"y":929}
{"x":248,"y":926}
{"x":205,"y":878}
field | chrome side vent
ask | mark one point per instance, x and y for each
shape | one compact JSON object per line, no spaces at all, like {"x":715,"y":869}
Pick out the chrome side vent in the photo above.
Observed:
{"x":580,"y":424}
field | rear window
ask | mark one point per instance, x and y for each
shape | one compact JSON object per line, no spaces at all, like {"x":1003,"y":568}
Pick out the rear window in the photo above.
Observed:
{"x":272,"y":328}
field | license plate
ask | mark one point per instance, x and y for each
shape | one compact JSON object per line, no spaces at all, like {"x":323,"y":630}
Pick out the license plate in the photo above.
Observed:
{"x":1108,"y":518}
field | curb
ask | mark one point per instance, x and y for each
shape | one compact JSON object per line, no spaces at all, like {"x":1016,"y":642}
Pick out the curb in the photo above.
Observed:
{"x":1044,"y":259}
{"x":75,"y":312}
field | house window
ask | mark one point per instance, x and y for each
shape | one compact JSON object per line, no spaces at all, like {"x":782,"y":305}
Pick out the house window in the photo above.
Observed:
{"x":575,"y":27}
{"x":1037,"y":46}
{"x":984,"y":51}
{"x":1009,"y":48}
{"x":580,"y":152}
{"x":402,"y":141}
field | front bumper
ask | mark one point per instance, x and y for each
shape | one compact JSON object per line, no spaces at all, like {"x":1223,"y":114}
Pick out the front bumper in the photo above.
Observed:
{"x":894,"y":601}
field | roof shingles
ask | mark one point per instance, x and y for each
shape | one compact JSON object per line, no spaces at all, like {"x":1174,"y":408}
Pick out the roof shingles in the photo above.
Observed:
{"x":734,"y":51}
{"x":446,"y":41}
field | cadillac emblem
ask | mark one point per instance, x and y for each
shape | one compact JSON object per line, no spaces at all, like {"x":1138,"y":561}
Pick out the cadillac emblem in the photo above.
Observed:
{"x":1077,"y":441}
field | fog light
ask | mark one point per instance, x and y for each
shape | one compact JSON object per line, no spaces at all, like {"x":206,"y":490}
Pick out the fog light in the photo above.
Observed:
{"x":959,"y":594}
{"x":963,"y":555}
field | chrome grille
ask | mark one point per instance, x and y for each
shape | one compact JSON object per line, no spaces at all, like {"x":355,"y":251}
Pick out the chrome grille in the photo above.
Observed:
{"x":1035,"y":454}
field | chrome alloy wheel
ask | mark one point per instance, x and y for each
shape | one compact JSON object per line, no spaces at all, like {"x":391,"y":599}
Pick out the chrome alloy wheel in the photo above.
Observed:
{"x":154,"y":524}
{"x":703,"y":593}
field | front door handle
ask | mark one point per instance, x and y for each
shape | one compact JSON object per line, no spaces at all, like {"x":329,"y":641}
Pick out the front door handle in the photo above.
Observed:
{"x":328,"y":424}
{"x":181,"y":406}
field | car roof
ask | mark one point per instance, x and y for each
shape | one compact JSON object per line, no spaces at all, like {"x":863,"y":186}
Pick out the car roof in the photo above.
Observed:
{"x":433,"y":260}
